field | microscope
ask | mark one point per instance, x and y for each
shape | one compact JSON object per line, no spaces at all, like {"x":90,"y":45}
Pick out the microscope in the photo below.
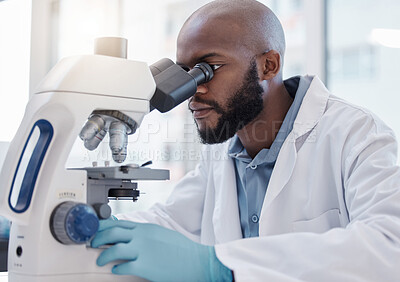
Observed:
{"x":55,"y":210}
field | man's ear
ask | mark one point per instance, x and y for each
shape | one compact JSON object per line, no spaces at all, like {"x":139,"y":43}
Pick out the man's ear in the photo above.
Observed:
{"x":270,"y":65}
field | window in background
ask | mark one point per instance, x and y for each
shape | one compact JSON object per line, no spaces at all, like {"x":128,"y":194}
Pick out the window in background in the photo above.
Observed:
{"x":15,"y":17}
{"x":291,"y":13}
{"x":364,"y":55}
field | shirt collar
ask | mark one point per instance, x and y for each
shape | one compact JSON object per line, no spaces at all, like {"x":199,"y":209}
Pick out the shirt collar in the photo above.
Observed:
{"x":236,"y":148}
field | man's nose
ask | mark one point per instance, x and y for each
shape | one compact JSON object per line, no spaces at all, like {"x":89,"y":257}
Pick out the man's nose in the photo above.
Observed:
{"x":202,"y":89}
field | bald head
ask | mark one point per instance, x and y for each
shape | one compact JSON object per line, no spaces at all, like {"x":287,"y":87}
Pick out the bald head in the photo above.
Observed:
{"x":248,"y":22}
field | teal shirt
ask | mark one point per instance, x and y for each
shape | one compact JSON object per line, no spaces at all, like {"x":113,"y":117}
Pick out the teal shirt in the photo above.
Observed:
{"x":252,"y":175}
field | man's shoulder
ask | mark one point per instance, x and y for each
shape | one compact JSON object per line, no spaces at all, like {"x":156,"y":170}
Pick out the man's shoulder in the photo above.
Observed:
{"x":351,"y":125}
{"x":348,"y":113}
{"x":336,"y":101}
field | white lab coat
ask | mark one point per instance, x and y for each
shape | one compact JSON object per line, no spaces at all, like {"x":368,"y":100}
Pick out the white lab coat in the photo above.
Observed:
{"x":332,"y":207}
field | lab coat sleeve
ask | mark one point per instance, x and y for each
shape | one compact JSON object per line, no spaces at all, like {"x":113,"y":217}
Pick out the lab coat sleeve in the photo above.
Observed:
{"x":183,"y":209}
{"x":367,"y":249}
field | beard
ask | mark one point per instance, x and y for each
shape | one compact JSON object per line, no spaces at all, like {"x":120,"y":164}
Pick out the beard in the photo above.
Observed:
{"x":242,"y":108}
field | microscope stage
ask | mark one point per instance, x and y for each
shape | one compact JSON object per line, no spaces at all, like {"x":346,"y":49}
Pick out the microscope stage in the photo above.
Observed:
{"x":126,"y":173}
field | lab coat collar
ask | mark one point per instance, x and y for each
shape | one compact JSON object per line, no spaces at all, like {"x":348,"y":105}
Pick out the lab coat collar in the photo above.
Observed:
{"x":311,"y":109}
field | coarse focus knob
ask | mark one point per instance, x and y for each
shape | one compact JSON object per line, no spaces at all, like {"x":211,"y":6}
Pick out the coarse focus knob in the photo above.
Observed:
{"x":73,"y":223}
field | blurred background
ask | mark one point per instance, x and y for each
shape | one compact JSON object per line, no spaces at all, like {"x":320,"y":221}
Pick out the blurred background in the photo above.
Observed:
{"x":353,"y":46}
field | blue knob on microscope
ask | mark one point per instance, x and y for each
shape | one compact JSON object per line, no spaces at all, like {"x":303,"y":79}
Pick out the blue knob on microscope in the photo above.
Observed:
{"x":74,"y":223}
{"x":86,"y":223}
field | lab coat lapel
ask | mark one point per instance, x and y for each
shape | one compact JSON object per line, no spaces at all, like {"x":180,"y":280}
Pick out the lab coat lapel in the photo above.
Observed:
{"x":310,"y":112}
{"x":226,"y":220}
{"x":279,"y":177}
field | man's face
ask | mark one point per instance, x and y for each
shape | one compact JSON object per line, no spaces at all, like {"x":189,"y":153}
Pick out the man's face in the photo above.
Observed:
{"x":240,"y":108}
{"x":233,"y":97}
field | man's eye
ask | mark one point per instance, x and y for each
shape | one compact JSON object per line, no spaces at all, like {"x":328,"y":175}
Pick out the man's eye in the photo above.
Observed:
{"x":215,"y":67}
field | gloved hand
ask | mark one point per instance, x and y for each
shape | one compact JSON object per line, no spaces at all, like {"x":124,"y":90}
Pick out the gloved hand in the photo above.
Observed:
{"x":156,"y":253}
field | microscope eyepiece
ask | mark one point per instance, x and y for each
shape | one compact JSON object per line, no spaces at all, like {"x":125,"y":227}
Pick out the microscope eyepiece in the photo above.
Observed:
{"x":202,"y":73}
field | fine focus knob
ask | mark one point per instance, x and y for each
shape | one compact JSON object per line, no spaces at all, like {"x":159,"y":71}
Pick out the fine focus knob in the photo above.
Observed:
{"x":73,"y":223}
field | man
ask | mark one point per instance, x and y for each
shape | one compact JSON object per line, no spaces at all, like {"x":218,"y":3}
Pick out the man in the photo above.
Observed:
{"x":305,"y":189}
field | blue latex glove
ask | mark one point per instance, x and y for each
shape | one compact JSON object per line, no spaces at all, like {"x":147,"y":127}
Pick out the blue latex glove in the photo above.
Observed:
{"x":156,"y":253}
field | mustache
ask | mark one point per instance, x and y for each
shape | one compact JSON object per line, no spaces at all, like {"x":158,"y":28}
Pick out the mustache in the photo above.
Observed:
{"x":211,"y":103}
